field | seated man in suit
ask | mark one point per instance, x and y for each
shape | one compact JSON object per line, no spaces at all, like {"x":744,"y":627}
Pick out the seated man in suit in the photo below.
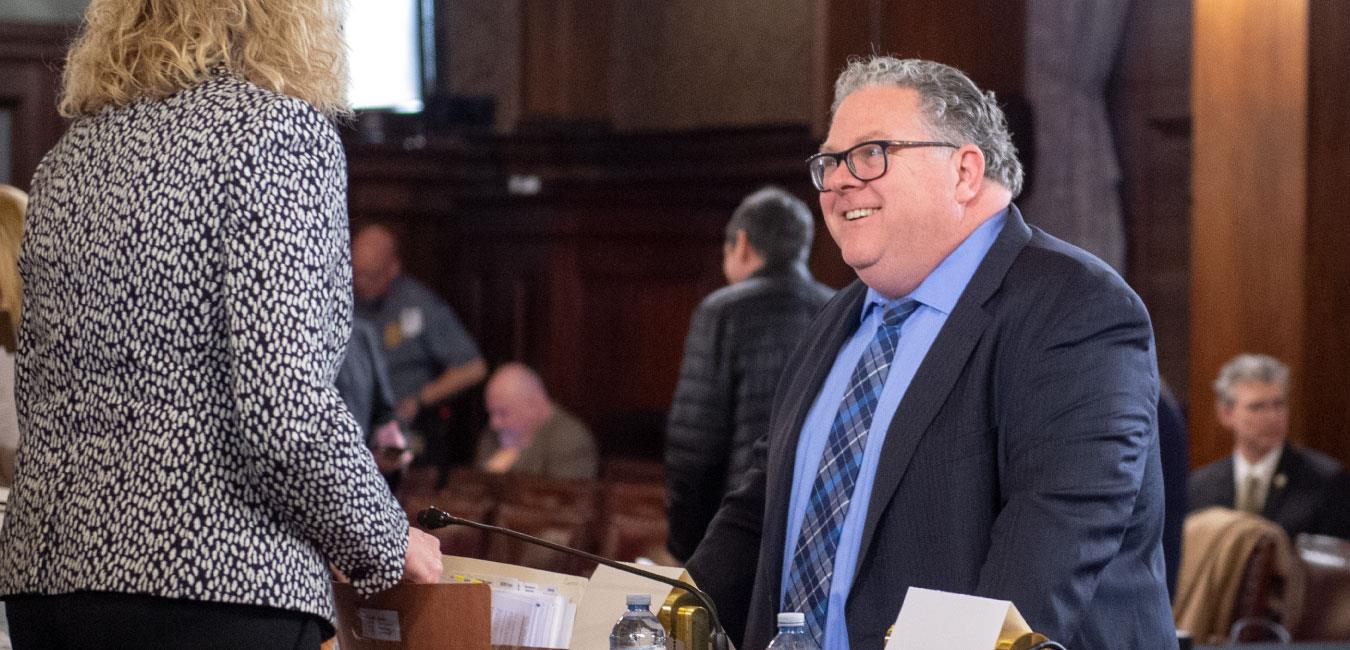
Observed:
{"x":528,"y":433}
{"x":977,"y":414}
{"x":1300,"y":489}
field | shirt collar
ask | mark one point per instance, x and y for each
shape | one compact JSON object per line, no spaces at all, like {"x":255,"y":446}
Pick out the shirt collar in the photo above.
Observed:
{"x":944,"y":286}
{"x":1262,"y":469}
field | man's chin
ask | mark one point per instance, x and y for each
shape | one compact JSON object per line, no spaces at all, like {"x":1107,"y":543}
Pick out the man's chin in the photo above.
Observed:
{"x":860,"y":264}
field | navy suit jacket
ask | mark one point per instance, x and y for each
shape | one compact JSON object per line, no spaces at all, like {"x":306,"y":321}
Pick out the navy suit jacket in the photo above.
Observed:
{"x":1022,"y":463}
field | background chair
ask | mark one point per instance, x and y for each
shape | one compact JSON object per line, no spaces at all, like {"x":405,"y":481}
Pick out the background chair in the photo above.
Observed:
{"x":1236,"y":566}
{"x":1326,"y":605}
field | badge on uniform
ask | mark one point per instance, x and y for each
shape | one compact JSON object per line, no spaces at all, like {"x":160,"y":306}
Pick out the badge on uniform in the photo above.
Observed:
{"x":409,"y":325}
{"x":411,"y":321}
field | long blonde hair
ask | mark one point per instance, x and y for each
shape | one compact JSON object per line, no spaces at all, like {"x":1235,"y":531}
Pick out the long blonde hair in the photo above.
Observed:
{"x":129,"y":49}
{"x":13,"y":204}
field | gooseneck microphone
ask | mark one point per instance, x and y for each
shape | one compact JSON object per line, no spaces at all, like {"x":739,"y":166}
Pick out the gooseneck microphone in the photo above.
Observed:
{"x":433,"y":518}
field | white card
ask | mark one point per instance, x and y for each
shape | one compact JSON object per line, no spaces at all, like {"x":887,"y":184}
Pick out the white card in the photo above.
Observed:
{"x":938,"y":619}
{"x":379,"y":624}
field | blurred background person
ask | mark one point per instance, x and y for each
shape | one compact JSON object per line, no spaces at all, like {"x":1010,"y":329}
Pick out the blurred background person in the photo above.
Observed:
{"x":1302,"y":490}
{"x":13,"y":204}
{"x":430,"y":356}
{"x":530,"y":434}
{"x":188,"y":471}
{"x":363,"y":383}
{"x":739,"y":338}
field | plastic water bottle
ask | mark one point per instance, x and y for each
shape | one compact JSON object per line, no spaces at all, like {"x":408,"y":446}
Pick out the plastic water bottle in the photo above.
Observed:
{"x":638,"y":629}
{"x":792,"y":634}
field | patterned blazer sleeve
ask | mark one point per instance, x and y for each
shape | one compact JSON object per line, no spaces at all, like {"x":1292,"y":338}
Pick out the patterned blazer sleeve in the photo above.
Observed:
{"x":288,"y":303}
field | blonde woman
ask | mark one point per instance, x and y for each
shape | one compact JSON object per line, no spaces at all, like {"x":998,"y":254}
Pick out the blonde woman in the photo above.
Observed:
{"x":188,"y":472}
{"x":13,"y":203}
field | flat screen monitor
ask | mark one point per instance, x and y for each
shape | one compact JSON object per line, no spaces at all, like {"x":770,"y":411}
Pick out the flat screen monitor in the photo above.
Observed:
{"x":386,"y":43}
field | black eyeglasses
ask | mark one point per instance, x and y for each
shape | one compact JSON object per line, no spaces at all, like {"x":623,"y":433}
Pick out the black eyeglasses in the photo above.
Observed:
{"x":867,"y":161}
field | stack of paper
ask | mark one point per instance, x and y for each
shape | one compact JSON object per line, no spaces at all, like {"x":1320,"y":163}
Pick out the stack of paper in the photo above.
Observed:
{"x":529,"y":607}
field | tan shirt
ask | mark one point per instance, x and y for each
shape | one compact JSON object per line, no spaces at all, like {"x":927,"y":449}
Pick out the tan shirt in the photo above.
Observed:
{"x":562,"y":448}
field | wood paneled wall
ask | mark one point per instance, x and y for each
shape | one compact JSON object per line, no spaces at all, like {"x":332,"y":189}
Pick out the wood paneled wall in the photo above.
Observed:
{"x":985,"y":41}
{"x":689,"y":64}
{"x":1268,"y":270}
{"x":479,"y":53}
{"x":1326,"y":377}
{"x":592,"y":280}
{"x":30,"y":63}
{"x":637,"y":65}
{"x":1150,"y":102}
{"x":521,"y":268}
{"x":567,"y":59}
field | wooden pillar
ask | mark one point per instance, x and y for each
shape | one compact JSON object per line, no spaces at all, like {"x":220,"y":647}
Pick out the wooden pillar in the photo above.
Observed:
{"x":31,"y":57}
{"x":565,"y":45}
{"x":1326,"y":377}
{"x":1269,"y":227}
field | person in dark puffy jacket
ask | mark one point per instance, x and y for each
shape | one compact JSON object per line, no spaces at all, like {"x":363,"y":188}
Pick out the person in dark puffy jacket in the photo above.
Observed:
{"x":738,"y":339}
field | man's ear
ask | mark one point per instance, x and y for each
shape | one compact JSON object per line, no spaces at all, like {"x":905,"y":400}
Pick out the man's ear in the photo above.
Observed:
{"x":740,"y":248}
{"x":969,"y":172}
{"x":1224,"y":412}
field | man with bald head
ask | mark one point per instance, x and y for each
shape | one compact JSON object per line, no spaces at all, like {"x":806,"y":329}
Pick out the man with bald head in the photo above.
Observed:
{"x":529,"y":434}
{"x":429,"y":355}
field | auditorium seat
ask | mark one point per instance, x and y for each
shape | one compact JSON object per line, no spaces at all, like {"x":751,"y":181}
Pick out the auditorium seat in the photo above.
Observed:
{"x":1326,"y":608}
{"x":1235,"y":567}
{"x":576,"y":497}
{"x":633,"y":470}
{"x":632,"y":536}
{"x":641,"y":499}
{"x":560,"y":526}
{"x":419,"y":480}
{"x":473,"y":484}
{"x":455,"y":540}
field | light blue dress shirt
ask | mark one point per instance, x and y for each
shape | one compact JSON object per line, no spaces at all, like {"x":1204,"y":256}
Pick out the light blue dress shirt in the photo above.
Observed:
{"x":937,"y":296}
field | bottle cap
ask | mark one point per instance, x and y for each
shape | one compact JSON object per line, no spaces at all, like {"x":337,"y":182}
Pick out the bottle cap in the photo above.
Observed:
{"x":640,"y":599}
{"x":791,"y":618}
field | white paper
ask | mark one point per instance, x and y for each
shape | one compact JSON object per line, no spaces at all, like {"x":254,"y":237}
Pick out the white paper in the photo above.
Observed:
{"x":379,"y":624}
{"x":605,"y":601}
{"x":938,"y":619}
{"x":529,"y":607}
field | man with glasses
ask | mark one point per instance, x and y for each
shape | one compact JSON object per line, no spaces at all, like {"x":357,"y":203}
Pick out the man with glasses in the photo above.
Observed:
{"x":977,"y":414}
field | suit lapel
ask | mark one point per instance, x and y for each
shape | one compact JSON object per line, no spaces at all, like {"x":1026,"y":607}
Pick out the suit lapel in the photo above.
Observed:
{"x":1279,"y":483}
{"x":1227,"y":495}
{"x":941,"y":367}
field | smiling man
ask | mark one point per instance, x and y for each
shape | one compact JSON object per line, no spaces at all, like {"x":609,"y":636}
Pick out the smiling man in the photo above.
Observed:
{"x":976,"y":414}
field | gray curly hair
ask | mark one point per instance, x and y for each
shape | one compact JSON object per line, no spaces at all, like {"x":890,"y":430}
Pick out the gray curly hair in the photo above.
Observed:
{"x":1246,"y":368}
{"x":956,"y":109}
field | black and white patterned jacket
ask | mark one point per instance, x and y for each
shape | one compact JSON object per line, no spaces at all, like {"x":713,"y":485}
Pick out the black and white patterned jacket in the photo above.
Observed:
{"x":187,"y":299}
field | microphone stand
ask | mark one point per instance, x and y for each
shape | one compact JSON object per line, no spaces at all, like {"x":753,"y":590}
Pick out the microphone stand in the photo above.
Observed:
{"x":433,"y":518}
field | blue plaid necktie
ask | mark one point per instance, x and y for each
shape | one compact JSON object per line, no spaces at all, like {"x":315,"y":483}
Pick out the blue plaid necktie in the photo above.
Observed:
{"x":813,"y":561}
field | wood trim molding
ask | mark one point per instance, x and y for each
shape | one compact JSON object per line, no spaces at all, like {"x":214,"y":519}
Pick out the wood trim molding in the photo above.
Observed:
{"x":35,"y":41}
